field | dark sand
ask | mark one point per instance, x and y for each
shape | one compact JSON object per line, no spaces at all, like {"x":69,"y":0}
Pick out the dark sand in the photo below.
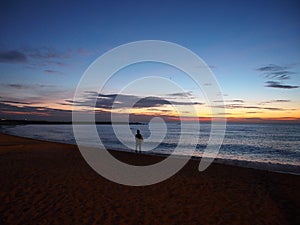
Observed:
{"x":50,"y":183}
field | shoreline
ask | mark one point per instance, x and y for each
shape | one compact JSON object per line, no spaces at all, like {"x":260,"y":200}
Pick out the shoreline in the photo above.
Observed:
{"x":265,"y":166}
{"x":50,"y":183}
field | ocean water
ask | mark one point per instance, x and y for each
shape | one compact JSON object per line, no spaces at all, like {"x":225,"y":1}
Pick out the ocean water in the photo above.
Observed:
{"x":274,"y":147}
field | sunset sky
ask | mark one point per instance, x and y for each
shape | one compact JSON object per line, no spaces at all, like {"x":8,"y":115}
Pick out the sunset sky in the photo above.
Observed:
{"x":252,"y":47}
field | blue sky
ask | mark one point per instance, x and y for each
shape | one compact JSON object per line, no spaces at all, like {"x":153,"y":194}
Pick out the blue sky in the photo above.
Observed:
{"x":45,"y":47}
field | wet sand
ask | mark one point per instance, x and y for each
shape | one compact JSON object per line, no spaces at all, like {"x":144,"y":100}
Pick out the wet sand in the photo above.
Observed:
{"x":50,"y":183}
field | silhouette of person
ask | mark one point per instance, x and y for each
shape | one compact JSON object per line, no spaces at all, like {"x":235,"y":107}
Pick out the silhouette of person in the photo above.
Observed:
{"x":138,"y":141}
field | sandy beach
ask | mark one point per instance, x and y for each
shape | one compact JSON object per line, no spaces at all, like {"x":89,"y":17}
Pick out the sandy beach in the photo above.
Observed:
{"x":50,"y":183}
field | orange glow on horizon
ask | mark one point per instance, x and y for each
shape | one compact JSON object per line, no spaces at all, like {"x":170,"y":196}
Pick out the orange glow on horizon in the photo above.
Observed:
{"x":292,"y":113}
{"x":26,"y":113}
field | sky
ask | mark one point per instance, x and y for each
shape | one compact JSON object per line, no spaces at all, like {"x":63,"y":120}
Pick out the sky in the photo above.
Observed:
{"x":252,"y":47}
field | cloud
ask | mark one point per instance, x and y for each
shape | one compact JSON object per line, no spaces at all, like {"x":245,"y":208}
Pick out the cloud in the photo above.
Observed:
{"x":160,"y":110}
{"x":281,"y":100}
{"x":15,"y":102}
{"x":231,"y":101}
{"x":15,"y":108}
{"x":106,"y":101}
{"x":56,"y":63}
{"x":84,"y":52}
{"x":34,"y":93}
{"x":46,"y":53}
{"x":276,"y":74}
{"x":23,"y":111}
{"x":38,"y":58}
{"x":141,"y":102}
{"x":238,"y":106}
{"x":37,"y":53}
{"x":53,"y":72}
{"x":280,"y":75}
{"x":25,"y":86}
{"x":16,"y":86}
{"x":275,"y":84}
{"x":42,"y":56}
{"x":181,"y":94}
{"x":149,"y":102}
{"x":12,"y":56}
{"x":274,"y":101}
{"x":224,"y":114}
{"x":29,"y":112}
{"x":271,"y":68}
{"x":25,"y":107}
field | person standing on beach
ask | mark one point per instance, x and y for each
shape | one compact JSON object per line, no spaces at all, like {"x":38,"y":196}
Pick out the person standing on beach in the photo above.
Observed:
{"x":138,"y":141}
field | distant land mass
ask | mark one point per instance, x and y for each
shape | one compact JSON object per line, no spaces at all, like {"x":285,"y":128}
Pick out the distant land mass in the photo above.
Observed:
{"x":229,"y":120}
{"x":24,"y":122}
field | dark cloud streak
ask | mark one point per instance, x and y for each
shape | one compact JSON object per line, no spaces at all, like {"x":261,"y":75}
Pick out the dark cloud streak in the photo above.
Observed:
{"x":181,"y":94}
{"x":12,"y":57}
{"x":272,"y":68}
{"x":233,"y":100}
{"x":275,"y":101}
{"x":26,"y":86}
{"x":46,"y":53}
{"x":15,"y":102}
{"x":274,"y":84}
{"x":238,"y":106}
{"x":53,"y":72}
{"x":106,"y":101}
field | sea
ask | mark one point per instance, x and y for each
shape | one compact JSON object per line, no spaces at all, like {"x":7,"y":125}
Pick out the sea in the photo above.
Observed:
{"x":272,"y":147}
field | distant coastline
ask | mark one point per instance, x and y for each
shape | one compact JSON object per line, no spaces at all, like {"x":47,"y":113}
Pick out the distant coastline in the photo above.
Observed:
{"x":27,"y":122}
